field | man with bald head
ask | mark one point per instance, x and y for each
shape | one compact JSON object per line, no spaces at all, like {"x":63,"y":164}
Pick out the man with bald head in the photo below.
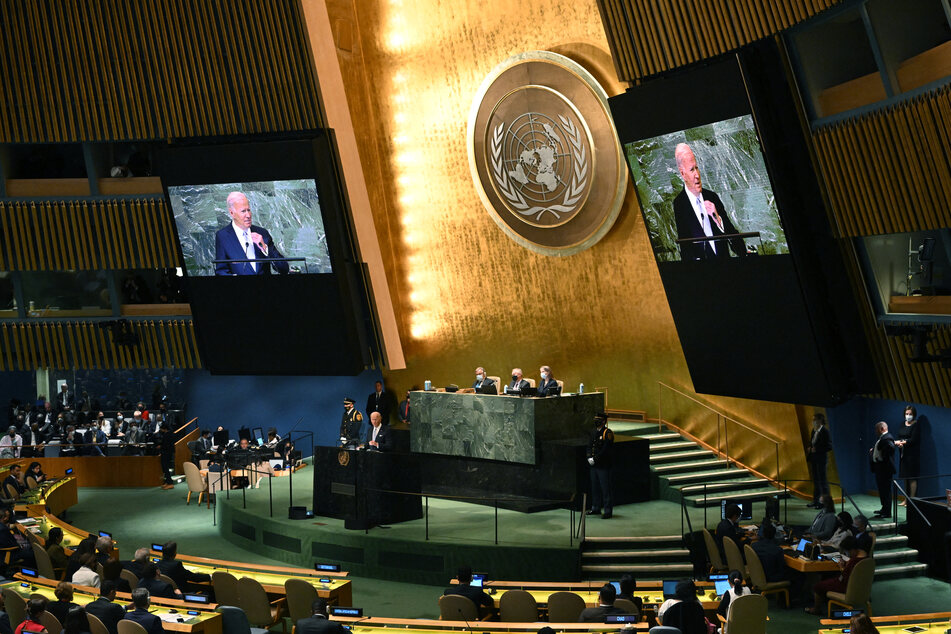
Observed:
{"x":700,"y":213}
{"x":242,"y":240}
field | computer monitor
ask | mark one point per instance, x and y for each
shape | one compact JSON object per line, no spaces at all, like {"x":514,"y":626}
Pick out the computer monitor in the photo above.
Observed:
{"x":478,"y":579}
{"x":670,"y":588}
{"x":746,"y":508}
{"x":257,"y":435}
{"x":158,"y":548}
{"x":105,"y":534}
{"x":221,"y":437}
{"x":802,"y":546}
{"x":721,"y":586}
{"x":617,"y":587}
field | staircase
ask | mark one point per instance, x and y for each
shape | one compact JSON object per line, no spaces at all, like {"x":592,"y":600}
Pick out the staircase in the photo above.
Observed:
{"x":894,"y":559}
{"x":653,"y":557}
{"x":681,"y":466}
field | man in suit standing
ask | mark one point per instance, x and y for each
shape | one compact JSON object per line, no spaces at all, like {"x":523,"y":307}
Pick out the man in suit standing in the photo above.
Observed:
{"x":483,"y":384}
{"x":699,"y":212}
{"x":882,"y":460}
{"x":378,"y":436}
{"x":379,"y":401}
{"x":518,"y":383}
{"x":403,"y":410}
{"x":317,"y":622}
{"x":241,"y":240}
{"x":64,"y":400}
{"x":818,"y":457}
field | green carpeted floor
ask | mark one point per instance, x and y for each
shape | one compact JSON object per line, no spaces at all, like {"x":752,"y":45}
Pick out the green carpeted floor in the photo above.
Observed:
{"x":139,"y":517}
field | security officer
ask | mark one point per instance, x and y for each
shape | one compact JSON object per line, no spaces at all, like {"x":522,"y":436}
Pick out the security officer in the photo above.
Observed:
{"x":600,"y":451}
{"x":351,"y":427}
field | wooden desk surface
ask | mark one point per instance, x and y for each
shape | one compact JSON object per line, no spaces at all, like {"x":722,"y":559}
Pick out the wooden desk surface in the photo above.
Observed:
{"x":809,"y":566}
{"x":930,"y":622}
{"x":53,"y":497}
{"x":338,"y":591}
{"x":207,"y":621}
{"x":71,"y":535}
{"x":423,"y":626}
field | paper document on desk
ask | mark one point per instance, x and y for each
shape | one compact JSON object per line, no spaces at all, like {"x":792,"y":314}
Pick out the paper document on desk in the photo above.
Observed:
{"x":170,"y":618}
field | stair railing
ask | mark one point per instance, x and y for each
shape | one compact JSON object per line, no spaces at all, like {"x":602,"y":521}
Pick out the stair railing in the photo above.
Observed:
{"x":685,"y":514}
{"x":843,"y":497}
{"x":723,"y":445}
{"x":909,"y":502}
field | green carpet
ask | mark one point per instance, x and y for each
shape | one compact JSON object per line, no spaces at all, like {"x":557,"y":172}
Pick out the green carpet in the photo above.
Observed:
{"x":139,"y":517}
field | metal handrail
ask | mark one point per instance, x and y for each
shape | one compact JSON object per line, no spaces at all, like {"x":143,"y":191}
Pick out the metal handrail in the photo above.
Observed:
{"x":908,"y":500}
{"x":720,"y":415}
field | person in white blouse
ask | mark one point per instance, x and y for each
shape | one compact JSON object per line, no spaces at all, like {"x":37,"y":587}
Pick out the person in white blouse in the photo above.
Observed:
{"x":86,"y":575}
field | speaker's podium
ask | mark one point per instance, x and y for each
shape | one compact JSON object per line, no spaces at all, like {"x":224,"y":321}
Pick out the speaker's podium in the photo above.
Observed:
{"x":366,"y":488}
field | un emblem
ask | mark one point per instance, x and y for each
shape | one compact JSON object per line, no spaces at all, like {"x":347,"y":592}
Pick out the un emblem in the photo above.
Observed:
{"x":544,"y":154}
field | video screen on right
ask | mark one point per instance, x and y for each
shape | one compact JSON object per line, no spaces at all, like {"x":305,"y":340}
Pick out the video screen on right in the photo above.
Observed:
{"x":705,"y":193}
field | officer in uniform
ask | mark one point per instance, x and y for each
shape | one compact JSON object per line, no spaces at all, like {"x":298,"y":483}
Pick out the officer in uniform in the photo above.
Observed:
{"x":351,"y":427}
{"x":600,"y":450}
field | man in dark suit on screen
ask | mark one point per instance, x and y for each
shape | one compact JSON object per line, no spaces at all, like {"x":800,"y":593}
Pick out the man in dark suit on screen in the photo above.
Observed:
{"x":881,"y":459}
{"x":241,"y":240}
{"x":699,"y":212}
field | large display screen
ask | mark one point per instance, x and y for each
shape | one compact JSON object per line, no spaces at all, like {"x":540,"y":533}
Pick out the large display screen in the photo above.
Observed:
{"x":250,"y":228}
{"x":700,"y":186}
{"x":736,"y":221}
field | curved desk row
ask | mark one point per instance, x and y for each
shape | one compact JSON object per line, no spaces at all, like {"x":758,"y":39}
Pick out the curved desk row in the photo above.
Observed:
{"x":53,"y":496}
{"x":934,"y":622}
{"x":177,"y":616}
{"x":373,"y":625}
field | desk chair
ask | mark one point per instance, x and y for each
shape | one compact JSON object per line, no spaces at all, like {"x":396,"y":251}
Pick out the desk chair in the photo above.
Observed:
{"x":95,"y":625}
{"x":758,"y":576}
{"x":561,"y":386}
{"x":713,"y":553}
{"x":168,"y":580}
{"x":260,"y":611}
{"x":50,"y":622}
{"x":196,"y":483}
{"x":15,"y":606}
{"x":44,"y":566}
{"x":235,"y":621}
{"x":518,"y":606}
{"x":300,"y":596}
{"x":628,"y":606}
{"x":499,"y":386}
{"x":531,"y":383}
{"x":734,"y":559}
{"x":130,"y":577}
{"x":455,"y":607}
{"x":565,"y":607}
{"x":858,"y":592}
{"x":747,"y":615}
{"x":226,"y":588}
{"x":130,"y":627}
{"x":663,"y":629}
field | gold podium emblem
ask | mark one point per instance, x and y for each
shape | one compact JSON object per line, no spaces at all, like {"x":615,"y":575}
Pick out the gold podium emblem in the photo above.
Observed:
{"x":544,"y":153}
{"x":343,"y":457}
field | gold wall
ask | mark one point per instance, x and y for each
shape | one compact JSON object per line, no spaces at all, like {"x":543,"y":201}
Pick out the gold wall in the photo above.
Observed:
{"x":465,"y":294}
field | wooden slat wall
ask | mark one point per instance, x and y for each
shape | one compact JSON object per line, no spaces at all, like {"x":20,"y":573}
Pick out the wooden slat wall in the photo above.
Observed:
{"x":77,"y":70}
{"x":86,"y":235}
{"x":889,"y":171}
{"x":648,"y":37}
{"x":65,"y":345}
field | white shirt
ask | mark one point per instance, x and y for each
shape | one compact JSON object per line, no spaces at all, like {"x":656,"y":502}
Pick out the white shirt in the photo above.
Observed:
{"x":696,"y":201}
{"x":16,"y":442}
{"x":244,"y":238}
{"x":376,"y":430}
{"x":86,"y":577}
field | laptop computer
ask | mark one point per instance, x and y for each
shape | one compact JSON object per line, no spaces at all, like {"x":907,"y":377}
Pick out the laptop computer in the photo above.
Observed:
{"x":721,"y":586}
{"x":670,"y":588}
{"x":478,"y":579}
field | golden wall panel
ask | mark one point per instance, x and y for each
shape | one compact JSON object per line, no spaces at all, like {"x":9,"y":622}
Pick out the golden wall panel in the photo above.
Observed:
{"x":127,"y":234}
{"x":109,"y":69}
{"x":65,"y":345}
{"x":648,"y":37}
{"x":466,"y":295}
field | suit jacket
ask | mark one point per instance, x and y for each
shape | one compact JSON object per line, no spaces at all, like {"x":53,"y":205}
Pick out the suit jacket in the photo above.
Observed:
{"x":771,"y":556}
{"x":157,"y":588}
{"x":151,"y":623}
{"x":403,"y":411}
{"x":687,"y":616}
{"x":108,"y":612}
{"x":319,"y":625}
{"x":597,"y":614}
{"x":383,"y":438}
{"x":886,"y":445}
{"x":519,"y":385}
{"x":488,"y":386}
{"x":228,"y":247}
{"x":689,"y":227}
{"x":821,"y":440}
{"x":382,"y":406}
{"x":60,"y":609}
{"x":174,"y":570}
{"x":476,"y":595}
{"x":545,"y":385}
{"x":726,"y":528}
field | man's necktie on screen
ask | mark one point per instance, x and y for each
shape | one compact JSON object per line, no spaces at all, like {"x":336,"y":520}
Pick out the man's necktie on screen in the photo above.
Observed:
{"x":707,"y":229}
{"x":249,"y":252}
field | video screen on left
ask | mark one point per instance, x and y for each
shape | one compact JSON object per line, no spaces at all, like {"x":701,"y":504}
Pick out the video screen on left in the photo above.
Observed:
{"x":250,"y":228}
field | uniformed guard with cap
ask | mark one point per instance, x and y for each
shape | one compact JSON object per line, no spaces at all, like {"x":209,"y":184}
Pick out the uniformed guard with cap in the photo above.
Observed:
{"x":351,"y":427}
{"x":600,"y":451}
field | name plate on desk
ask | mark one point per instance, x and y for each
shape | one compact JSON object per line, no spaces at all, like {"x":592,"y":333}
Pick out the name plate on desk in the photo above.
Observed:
{"x":498,"y":427}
